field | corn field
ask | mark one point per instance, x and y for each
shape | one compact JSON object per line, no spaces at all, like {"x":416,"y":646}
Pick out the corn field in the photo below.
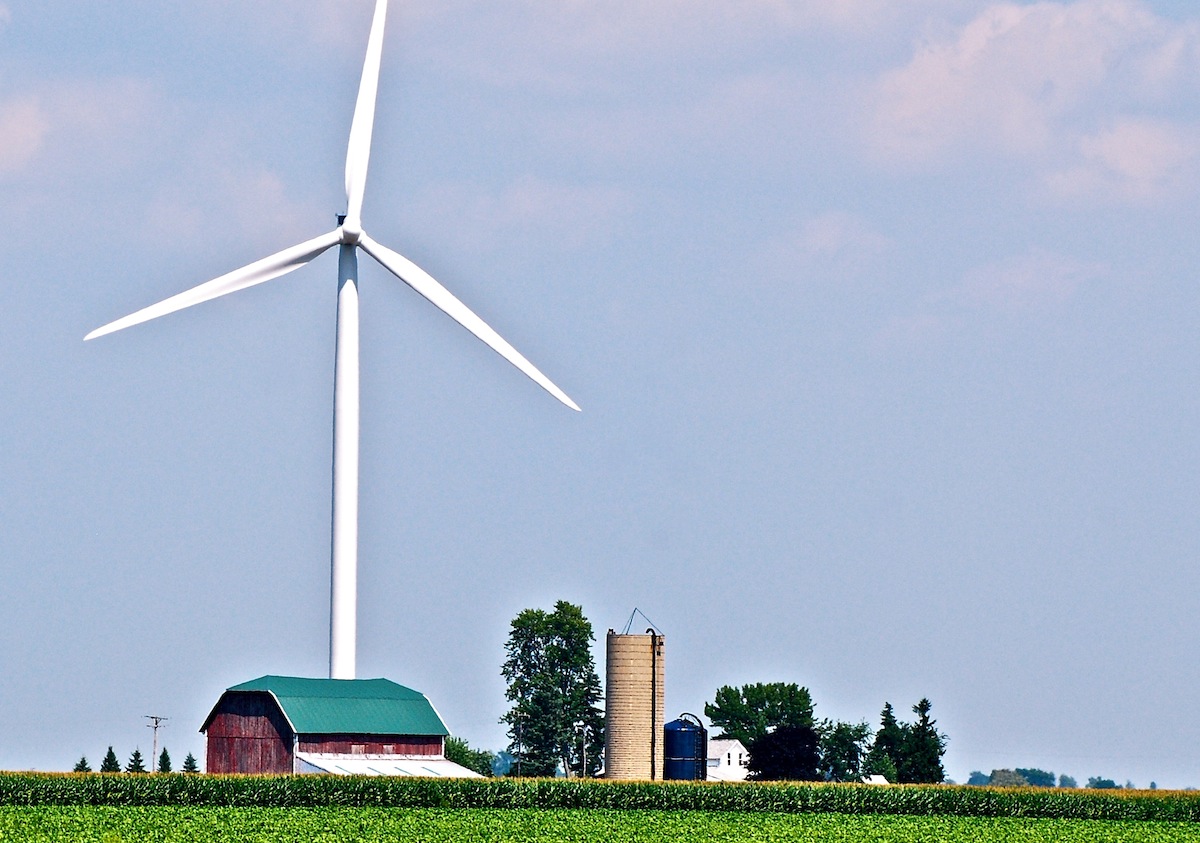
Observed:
{"x":178,"y":790}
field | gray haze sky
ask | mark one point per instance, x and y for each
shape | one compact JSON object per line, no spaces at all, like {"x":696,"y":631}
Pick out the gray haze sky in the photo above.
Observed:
{"x":883,"y":317}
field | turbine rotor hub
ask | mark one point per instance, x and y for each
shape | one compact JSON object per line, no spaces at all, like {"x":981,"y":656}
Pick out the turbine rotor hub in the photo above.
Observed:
{"x":351,"y":232}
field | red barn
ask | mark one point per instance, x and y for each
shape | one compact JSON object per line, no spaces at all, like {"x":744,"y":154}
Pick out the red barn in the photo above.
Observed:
{"x":284,"y":724}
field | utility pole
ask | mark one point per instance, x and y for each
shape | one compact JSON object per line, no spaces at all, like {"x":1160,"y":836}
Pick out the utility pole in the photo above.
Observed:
{"x":155,"y":722}
{"x":520,"y":751}
{"x":583,"y":733}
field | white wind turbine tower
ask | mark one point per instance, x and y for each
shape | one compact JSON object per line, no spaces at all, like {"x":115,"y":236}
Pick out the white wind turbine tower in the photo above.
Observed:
{"x":350,"y":237}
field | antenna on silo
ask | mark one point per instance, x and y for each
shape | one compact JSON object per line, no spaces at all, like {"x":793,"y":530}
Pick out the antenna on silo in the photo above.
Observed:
{"x":629,"y":624}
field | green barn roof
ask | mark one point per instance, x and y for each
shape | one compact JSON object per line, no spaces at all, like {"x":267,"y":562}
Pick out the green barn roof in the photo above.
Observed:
{"x":346,"y":706}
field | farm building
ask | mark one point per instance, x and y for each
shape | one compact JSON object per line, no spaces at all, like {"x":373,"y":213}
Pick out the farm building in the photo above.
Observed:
{"x":727,"y":759}
{"x":284,"y":724}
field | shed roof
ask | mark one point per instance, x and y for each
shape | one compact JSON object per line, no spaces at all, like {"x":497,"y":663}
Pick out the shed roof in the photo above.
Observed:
{"x":345,"y":706}
{"x":382,"y":765}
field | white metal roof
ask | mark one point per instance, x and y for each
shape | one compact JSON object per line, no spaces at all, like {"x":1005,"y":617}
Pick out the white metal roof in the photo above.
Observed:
{"x":428,"y":766}
{"x":724,"y":745}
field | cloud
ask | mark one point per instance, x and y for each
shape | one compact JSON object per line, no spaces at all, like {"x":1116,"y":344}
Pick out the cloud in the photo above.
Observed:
{"x":213,"y":198}
{"x":1035,"y":282}
{"x":623,"y":25}
{"x":557,"y":215}
{"x":333,"y":24}
{"x":575,"y":46}
{"x":1137,"y":159}
{"x":23,"y":127}
{"x":837,"y":233}
{"x":835,"y":245}
{"x":1033,"y":285}
{"x":64,"y":130}
{"x":1031,"y":81}
{"x":114,"y":148}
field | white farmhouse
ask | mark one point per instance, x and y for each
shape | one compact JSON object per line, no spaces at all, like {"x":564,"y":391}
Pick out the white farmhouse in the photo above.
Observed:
{"x":727,"y":761}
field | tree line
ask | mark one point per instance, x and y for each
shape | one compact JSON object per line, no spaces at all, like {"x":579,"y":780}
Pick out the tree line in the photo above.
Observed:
{"x":136,"y":763}
{"x":1033,"y":777}
{"x":776,"y":724}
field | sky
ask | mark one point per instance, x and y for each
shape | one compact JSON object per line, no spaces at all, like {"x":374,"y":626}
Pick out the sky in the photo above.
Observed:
{"x":882,"y":314}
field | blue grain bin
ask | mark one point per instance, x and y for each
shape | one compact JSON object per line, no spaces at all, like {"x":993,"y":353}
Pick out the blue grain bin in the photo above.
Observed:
{"x":685,"y":749}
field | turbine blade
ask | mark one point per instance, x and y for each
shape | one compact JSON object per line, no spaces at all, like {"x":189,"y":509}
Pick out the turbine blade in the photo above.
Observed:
{"x":277,"y":264}
{"x":444,"y":300}
{"x":358,"y":154}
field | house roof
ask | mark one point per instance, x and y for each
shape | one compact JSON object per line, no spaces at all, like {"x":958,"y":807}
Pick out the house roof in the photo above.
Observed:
{"x":719,"y":746}
{"x":345,"y":706}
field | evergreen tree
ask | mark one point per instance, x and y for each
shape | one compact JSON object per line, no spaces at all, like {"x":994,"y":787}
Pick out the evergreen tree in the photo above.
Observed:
{"x":888,"y":750}
{"x":82,"y":766}
{"x":136,"y":764}
{"x":110,"y":764}
{"x":164,"y":761}
{"x":189,"y":764}
{"x":923,"y":748}
{"x":555,"y":692}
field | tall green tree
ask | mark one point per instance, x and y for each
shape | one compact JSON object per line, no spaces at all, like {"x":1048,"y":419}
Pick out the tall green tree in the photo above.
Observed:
{"x":923,"y":748}
{"x":843,"y":750}
{"x":751,"y":711}
{"x":788,"y":753}
{"x":1036,"y":777}
{"x":555,"y":720}
{"x":82,"y":766}
{"x":110,"y":764}
{"x":888,"y":749}
{"x":136,"y":764}
{"x":164,"y":761}
{"x":190,"y":765}
{"x":1007,"y":778}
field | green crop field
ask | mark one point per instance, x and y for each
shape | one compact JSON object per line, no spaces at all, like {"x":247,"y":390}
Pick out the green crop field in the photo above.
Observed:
{"x":165,"y":808}
{"x":107,"y":824}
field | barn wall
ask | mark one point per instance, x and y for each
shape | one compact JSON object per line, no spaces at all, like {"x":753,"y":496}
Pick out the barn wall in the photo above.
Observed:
{"x":249,"y":735}
{"x":373,"y":744}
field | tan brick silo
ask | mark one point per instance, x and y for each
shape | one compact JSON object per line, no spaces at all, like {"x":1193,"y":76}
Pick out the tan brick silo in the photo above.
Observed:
{"x":634,"y":705}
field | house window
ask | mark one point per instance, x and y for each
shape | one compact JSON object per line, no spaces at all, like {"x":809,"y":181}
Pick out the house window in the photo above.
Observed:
{"x":729,"y":758}
{"x":358,"y":749}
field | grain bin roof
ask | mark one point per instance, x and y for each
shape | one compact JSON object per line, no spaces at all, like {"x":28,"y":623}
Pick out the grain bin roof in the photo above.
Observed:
{"x":345,"y":706}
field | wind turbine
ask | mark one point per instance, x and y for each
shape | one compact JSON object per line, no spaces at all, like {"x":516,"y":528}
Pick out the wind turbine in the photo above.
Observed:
{"x":349,"y":237}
